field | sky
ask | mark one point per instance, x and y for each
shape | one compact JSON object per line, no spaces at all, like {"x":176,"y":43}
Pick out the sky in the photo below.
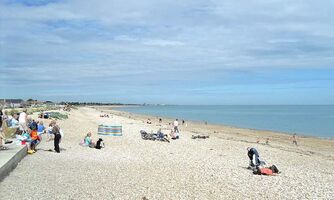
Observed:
{"x":168,"y":52}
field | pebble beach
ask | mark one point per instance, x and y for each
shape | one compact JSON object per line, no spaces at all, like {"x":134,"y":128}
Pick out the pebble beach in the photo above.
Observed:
{"x":132,"y":168}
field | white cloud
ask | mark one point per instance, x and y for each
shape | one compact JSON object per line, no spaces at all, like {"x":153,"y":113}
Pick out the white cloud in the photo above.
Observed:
{"x":117,"y":40}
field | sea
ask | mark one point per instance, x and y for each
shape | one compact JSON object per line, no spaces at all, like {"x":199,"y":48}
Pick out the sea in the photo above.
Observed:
{"x":311,"y":120}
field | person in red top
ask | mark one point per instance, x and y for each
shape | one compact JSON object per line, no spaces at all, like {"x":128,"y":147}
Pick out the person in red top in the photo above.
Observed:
{"x":33,"y":135}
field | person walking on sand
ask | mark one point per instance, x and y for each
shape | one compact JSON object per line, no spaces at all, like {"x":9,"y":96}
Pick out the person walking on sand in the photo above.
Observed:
{"x":56,"y":132}
{"x":176,"y":125}
{"x":176,"y":128}
{"x":294,"y":139}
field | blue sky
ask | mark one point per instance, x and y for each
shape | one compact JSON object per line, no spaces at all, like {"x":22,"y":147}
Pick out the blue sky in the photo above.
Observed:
{"x":161,"y":51}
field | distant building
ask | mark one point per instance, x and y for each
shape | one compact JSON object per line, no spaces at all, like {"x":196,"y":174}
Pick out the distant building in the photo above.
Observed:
{"x":12,"y":103}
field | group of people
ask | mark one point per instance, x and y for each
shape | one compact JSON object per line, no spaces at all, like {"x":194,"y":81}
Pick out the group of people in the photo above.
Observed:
{"x":174,"y":130}
{"x":258,"y":166}
{"x":28,"y":131}
{"x":104,"y":115}
{"x":88,"y":142}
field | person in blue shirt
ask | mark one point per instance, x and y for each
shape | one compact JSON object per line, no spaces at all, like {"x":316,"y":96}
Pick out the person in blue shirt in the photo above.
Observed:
{"x":40,"y":128}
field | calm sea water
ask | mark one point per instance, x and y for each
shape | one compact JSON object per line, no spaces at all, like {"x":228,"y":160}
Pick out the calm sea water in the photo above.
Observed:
{"x":307,"y":120}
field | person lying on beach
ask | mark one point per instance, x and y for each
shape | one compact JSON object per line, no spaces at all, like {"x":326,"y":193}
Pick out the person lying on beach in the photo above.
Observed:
{"x":149,"y":121}
{"x":254,"y":158}
{"x":269,"y":171}
{"x":199,"y":136}
{"x":99,"y":144}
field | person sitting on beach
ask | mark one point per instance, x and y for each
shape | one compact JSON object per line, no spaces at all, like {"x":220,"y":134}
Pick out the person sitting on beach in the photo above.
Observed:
{"x":26,"y":138}
{"x":149,"y":121}
{"x":14,"y":123}
{"x":267,"y":141}
{"x":253,"y":156}
{"x":172,"y":134}
{"x":99,"y":144}
{"x":88,"y":141}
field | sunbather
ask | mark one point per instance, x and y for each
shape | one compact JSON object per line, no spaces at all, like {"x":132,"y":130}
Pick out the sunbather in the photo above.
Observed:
{"x":88,"y":141}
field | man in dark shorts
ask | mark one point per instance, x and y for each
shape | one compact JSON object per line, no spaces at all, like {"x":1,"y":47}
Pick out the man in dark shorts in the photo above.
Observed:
{"x":253,"y":156}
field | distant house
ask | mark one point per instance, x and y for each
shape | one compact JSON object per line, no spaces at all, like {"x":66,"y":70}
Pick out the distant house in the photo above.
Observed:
{"x":12,"y":103}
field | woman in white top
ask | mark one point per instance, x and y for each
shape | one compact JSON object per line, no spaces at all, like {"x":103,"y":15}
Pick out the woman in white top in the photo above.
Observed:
{"x":23,"y":120}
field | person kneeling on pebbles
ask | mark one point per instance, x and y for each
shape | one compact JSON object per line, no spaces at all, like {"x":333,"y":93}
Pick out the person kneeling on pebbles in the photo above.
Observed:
{"x":254,"y":158}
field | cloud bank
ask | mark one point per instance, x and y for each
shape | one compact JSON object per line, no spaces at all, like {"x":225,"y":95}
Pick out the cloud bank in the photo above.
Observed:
{"x":186,"y":52}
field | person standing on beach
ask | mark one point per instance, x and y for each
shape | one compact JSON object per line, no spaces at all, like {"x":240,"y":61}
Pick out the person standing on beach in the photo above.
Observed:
{"x":294,"y":139}
{"x":1,"y":118}
{"x":23,"y":120}
{"x":176,"y":127}
{"x":56,"y":132}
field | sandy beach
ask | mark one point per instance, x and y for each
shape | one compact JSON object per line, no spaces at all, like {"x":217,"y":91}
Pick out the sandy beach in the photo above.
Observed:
{"x":132,"y":168}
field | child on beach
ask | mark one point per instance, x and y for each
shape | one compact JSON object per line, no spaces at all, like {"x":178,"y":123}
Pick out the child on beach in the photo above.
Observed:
{"x":88,"y":141}
{"x":40,"y":130}
{"x":50,"y":135}
{"x":26,"y":139}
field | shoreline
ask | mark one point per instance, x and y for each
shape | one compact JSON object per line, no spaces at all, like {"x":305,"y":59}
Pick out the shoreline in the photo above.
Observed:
{"x":143,"y":116}
{"x":278,"y":140}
